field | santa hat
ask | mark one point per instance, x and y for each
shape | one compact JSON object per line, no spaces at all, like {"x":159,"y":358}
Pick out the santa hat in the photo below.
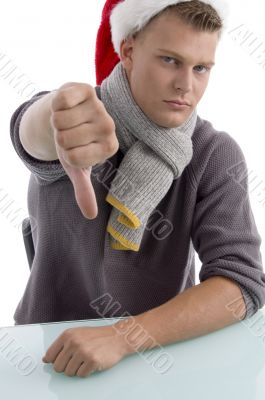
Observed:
{"x":121,"y":18}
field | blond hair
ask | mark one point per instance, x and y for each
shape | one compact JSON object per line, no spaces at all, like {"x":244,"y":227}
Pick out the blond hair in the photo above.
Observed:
{"x":201,"y":16}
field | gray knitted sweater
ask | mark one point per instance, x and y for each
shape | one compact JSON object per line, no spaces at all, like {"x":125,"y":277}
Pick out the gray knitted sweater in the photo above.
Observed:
{"x":208,"y":208}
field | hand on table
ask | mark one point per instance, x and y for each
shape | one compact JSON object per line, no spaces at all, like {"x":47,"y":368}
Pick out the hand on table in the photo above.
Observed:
{"x":81,"y":351}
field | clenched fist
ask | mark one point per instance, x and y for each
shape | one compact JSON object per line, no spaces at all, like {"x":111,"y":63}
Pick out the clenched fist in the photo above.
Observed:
{"x":84,"y":135}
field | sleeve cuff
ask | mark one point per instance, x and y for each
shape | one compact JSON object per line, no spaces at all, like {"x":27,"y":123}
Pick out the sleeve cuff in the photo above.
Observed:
{"x":249,"y":302}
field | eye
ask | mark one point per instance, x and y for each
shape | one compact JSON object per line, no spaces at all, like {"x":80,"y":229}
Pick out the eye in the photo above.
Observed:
{"x":203,"y":66}
{"x":166,"y":58}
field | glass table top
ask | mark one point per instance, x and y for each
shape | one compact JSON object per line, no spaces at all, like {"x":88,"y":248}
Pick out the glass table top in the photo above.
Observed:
{"x":222,"y":365}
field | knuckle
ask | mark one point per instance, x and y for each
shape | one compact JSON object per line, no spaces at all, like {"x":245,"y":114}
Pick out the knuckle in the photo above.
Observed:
{"x":90,"y":88}
{"x":90,"y":93}
{"x":70,"y":373}
{"x":73,"y":342}
{"x":60,"y":136}
{"x":82,"y":374}
{"x":92,"y":359}
{"x":55,"y":119}
{"x":72,"y":156}
{"x":107,"y":128}
{"x":116,"y":144}
{"x":57,"y":368}
{"x":109,"y":124}
{"x":47,"y":355}
{"x":68,"y":84}
{"x":64,"y":99}
{"x":67,"y":334}
{"x":110,"y":147}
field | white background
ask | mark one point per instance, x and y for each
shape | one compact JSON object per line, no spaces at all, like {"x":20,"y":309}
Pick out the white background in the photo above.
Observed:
{"x":54,"y":42}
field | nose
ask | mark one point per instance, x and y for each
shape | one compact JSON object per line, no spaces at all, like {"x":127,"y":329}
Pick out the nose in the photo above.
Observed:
{"x":183,"y":80}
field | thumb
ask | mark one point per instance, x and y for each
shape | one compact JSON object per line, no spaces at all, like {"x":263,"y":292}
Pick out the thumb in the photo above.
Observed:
{"x":84,"y":191}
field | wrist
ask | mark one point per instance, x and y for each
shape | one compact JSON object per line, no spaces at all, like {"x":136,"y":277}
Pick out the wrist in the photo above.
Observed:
{"x":132,"y":335}
{"x":123,"y":329}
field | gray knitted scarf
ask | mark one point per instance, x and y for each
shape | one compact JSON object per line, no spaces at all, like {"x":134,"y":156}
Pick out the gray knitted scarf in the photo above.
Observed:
{"x":153,"y":157}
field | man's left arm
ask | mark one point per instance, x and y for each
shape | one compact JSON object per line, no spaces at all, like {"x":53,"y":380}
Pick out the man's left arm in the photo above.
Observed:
{"x":197,"y":311}
{"x":225,"y":236}
{"x":211,"y":305}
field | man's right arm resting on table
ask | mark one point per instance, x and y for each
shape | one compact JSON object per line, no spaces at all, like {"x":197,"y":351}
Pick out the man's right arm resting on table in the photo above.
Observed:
{"x":35,"y":131}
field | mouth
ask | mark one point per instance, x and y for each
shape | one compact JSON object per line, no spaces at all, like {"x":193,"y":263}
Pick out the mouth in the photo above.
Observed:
{"x":180,"y":103}
{"x":176,"y":106}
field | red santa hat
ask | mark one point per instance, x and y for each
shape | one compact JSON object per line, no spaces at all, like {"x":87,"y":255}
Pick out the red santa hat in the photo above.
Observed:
{"x":120,"y":18}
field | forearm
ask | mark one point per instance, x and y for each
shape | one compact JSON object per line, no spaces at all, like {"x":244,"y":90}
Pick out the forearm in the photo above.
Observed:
{"x":35,"y":131}
{"x":197,"y":311}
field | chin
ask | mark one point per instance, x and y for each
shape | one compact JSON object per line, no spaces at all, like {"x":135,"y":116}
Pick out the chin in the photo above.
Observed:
{"x":173,"y":123}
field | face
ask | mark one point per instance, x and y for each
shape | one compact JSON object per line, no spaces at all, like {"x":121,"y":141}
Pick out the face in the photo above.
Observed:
{"x":156,"y":76}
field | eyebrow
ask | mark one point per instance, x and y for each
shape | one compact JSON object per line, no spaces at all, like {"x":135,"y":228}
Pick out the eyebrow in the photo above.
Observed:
{"x":181,"y":58}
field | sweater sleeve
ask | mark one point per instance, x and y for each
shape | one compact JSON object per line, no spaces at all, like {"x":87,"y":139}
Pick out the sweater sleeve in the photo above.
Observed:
{"x":45,"y":171}
{"x":224,"y":232}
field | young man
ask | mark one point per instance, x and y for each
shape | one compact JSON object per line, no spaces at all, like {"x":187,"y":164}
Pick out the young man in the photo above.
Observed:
{"x":101,"y":211}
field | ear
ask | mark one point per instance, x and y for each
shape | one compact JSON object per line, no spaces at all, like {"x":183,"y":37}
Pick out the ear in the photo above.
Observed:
{"x":126,"y":51}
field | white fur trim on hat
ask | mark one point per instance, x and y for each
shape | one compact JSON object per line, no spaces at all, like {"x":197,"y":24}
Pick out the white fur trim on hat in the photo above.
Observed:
{"x":130,"y":16}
